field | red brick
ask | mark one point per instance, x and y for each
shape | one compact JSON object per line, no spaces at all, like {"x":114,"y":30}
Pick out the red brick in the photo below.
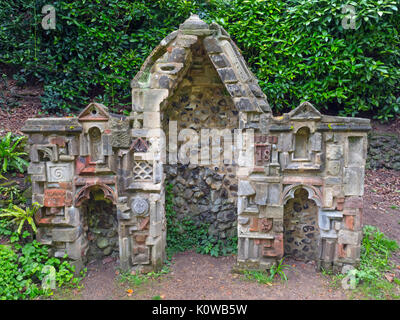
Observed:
{"x":342,"y":250}
{"x":84,"y":165}
{"x":278,"y":245}
{"x":276,"y":250}
{"x":144,"y":224}
{"x":54,"y":198}
{"x":273,"y":139}
{"x":254,"y":224}
{"x":349,"y":222}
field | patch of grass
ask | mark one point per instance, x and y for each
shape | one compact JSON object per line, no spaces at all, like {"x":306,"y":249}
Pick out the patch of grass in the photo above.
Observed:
{"x":394,"y":207}
{"x":137,"y":279}
{"x":380,"y":289}
{"x":376,"y":250}
{"x":262,"y":277}
{"x":267,"y":277}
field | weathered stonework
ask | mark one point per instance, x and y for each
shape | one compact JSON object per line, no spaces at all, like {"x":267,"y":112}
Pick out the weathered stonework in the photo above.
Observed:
{"x":294,"y":187}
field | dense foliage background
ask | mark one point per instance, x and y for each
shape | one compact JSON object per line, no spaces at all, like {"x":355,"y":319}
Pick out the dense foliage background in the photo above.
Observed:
{"x":298,"y":49}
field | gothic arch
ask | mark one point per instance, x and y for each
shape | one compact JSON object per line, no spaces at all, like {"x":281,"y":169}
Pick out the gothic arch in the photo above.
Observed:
{"x":84,"y":193}
{"x":313,"y":193}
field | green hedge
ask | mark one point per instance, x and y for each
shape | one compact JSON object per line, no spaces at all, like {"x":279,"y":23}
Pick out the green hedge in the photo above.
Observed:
{"x":297,"y":48}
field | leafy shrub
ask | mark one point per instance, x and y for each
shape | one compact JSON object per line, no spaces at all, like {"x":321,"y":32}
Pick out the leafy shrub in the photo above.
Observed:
{"x":298,"y":49}
{"x":10,"y":157}
{"x":22,"y":266}
{"x":94,"y":52}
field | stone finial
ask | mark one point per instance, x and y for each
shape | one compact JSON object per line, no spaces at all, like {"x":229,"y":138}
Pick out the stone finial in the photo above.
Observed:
{"x":194,"y":25}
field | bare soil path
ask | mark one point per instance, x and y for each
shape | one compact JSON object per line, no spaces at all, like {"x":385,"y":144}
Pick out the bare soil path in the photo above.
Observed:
{"x":196,"y":277}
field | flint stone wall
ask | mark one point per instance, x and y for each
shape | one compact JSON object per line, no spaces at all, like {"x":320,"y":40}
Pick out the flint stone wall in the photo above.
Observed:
{"x":204,"y":193}
{"x":383,"y":151}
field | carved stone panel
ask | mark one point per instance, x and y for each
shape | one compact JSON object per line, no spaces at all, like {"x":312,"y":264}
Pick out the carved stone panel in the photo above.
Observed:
{"x":262,"y":150}
{"x":142,"y":171}
{"x":59,"y":172}
{"x":140,"y":206}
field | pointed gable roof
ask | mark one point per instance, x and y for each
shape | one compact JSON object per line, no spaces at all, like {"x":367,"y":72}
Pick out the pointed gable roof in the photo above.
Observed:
{"x":168,"y":63}
{"x":305,"y":111}
{"x":94,"y":112}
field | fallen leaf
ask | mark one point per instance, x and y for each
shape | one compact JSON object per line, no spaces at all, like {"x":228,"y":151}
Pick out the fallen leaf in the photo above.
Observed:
{"x":162,"y":296}
{"x":293,"y":265}
{"x":210,"y":278}
{"x":133,"y":272}
{"x":389,"y":276}
{"x":117,"y":272}
{"x":129,"y":292}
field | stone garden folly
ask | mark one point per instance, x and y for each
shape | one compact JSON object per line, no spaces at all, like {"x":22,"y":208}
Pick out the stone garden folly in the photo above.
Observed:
{"x":294,"y":189}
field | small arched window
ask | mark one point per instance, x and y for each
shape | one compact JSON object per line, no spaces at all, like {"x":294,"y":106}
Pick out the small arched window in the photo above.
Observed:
{"x":301,"y":143}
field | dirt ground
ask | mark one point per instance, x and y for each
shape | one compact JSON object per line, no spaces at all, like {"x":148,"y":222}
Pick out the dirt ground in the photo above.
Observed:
{"x":194,"y":276}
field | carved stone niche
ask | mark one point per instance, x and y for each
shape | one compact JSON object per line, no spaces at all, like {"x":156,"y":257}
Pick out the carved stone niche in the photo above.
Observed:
{"x":95,"y":145}
{"x":305,"y":151}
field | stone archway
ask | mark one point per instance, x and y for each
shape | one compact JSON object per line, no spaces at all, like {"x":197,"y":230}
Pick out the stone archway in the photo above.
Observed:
{"x":301,"y":231}
{"x":99,"y":225}
{"x":204,"y":191}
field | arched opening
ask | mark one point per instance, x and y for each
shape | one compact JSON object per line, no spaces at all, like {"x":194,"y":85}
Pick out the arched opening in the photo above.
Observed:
{"x":100,"y":225}
{"x":301,"y":144}
{"x":205,"y":190}
{"x":301,"y":231}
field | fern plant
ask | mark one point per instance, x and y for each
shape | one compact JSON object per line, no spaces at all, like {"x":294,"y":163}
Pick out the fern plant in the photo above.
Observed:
{"x":20,"y":216}
{"x":10,"y":158}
